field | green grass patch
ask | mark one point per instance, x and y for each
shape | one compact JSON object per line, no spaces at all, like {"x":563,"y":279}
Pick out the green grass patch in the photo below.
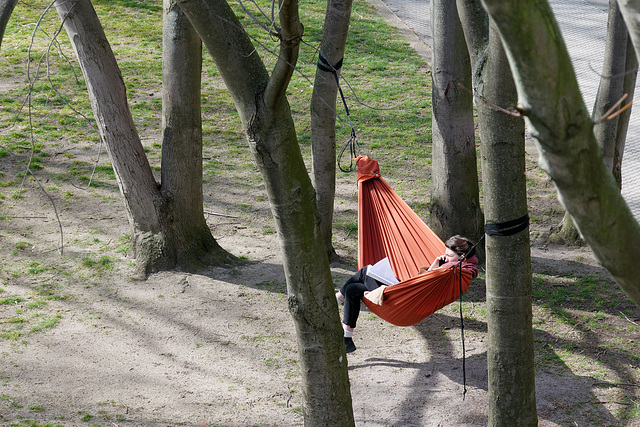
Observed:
{"x":102,"y":263}
{"x":48,"y":322}
{"x":11,"y":300}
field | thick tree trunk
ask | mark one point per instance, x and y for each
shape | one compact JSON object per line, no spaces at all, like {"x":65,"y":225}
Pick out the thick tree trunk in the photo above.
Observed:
{"x":323,"y":116}
{"x":455,"y":200}
{"x":158,"y":239}
{"x":191,"y":241}
{"x":550,"y":99}
{"x":509,"y":316}
{"x":264,"y":110}
{"x":6,"y":9}
{"x":510,"y":332}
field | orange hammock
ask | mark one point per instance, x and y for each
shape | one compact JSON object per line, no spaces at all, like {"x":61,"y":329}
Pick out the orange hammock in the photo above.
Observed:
{"x":387,"y":227}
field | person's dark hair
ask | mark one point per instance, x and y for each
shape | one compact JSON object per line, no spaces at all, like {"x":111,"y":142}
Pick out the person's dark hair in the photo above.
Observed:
{"x":461,"y":245}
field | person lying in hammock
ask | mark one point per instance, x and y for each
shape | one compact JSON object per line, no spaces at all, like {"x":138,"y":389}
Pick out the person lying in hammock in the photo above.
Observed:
{"x":355,"y":288}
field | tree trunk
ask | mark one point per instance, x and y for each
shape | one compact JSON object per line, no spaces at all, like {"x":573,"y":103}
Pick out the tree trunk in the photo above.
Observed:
{"x":455,"y":200}
{"x":611,"y":86}
{"x":157,"y":238}
{"x":323,"y":116}
{"x":510,"y":332}
{"x":510,"y":352}
{"x":631,"y":75}
{"x":264,"y":111}
{"x":181,"y":171}
{"x":550,"y":99}
{"x":6,"y":9}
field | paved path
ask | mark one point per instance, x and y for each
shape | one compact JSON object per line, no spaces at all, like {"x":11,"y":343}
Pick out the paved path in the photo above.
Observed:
{"x":583,"y":24}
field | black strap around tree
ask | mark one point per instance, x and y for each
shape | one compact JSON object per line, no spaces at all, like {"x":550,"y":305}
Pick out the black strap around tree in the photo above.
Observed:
{"x":352,"y":143}
{"x":507,"y":228}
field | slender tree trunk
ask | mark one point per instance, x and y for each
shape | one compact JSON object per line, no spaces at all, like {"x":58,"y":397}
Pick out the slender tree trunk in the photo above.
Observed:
{"x":631,"y":75}
{"x":550,"y":100}
{"x":107,"y":92}
{"x":611,"y":86}
{"x":6,"y":9}
{"x":263,"y":108}
{"x":181,"y":171}
{"x":510,"y":352}
{"x":323,"y":116}
{"x":455,"y":200}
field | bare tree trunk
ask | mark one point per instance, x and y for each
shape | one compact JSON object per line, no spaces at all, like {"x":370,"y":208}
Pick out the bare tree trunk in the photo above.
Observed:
{"x":510,"y":353}
{"x":455,"y":200}
{"x":181,"y":172}
{"x":323,"y":115}
{"x":6,"y":9}
{"x":509,"y":314}
{"x":115,"y":124}
{"x":550,"y":99}
{"x":158,"y":241}
{"x":631,"y":75}
{"x":263,"y":108}
{"x":611,"y":86}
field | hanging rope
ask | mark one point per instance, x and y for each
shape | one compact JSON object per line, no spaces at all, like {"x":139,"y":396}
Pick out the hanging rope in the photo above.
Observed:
{"x":352,"y":143}
{"x":507,"y":228}
{"x":464,"y":359}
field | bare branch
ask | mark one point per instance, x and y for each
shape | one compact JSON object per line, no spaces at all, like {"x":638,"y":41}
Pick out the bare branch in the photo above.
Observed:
{"x":53,"y":203}
{"x":492,"y":105}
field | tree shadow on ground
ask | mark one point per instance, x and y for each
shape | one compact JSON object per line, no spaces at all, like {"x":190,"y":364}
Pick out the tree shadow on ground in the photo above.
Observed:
{"x":562,"y":396}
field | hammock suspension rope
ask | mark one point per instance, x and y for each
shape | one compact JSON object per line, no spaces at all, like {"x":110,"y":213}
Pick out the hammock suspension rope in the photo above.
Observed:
{"x":352,"y":142}
{"x":464,"y":358}
{"x":507,"y":228}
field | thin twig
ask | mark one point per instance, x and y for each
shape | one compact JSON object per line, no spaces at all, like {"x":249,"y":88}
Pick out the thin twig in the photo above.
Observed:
{"x":219,"y":214}
{"x":490,"y":104}
{"x":631,"y":321}
{"x":605,"y":116}
{"x":53,"y":203}
{"x":617,"y":384}
{"x":620,"y":110}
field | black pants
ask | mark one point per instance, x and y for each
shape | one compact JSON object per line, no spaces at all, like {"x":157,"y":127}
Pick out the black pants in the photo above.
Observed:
{"x":353,"y":292}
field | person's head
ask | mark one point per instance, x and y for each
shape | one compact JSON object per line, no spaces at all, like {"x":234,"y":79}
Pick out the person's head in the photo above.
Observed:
{"x":459,"y":246}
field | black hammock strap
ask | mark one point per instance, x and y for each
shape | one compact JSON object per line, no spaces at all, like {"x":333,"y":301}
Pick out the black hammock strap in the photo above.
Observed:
{"x":352,"y":143}
{"x":507,"y":228}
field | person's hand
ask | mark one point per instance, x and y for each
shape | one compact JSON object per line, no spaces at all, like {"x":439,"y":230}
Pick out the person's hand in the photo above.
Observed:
{"x":437,"y":261}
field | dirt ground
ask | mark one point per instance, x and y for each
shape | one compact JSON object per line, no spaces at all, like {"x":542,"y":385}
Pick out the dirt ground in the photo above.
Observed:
{"x":218,"y":348}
